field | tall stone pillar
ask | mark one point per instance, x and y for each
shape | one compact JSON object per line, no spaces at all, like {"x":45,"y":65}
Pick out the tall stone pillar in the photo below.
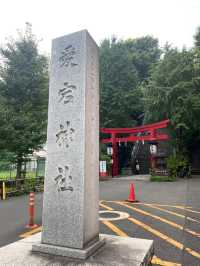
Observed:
{"x":71,"y":190}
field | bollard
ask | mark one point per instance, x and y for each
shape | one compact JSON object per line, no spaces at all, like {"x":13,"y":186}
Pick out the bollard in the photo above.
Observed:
{"x":31,"y":211}
{"x":3,"y":191}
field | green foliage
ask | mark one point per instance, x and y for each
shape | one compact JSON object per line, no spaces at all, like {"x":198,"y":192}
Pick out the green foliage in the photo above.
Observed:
{"x":197,"y":38}
{"x":162,"y":178}
{"x":176,"y":163}
{"x":104,"y":157}
{"x":173,"y":91}
{"x":29,"y":185}
{"x":25,"y":186}
{"x":6,"y":158}
{"x":11,"y":174}
{"x":7,"y":175}
{"x":23,"y":96}
{"x":123,"y":65}
{"x":144,"y":53}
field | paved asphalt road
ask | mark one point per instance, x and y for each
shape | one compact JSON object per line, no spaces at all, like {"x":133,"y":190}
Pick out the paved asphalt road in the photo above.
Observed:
{"x":159,"y":215}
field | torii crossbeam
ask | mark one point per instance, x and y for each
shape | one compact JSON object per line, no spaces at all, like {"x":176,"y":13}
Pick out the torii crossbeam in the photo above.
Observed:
{"x":141,"y":133}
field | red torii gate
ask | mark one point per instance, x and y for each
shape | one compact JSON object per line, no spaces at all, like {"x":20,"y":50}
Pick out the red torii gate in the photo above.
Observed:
{"x":140,"y":133}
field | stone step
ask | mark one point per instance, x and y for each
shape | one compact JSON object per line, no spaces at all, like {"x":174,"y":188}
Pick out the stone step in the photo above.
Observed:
{"x":195,"y":171}
{"x":116,"y":251}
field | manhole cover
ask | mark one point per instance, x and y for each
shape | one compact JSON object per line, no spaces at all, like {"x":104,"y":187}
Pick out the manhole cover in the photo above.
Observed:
{"x":112,"y":215}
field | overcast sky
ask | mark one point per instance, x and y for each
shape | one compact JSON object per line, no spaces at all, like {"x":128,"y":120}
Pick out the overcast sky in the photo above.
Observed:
{"x":174,"y":21}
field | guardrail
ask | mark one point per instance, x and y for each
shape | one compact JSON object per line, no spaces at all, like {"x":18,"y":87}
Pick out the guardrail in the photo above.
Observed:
{"x":20,"y":186}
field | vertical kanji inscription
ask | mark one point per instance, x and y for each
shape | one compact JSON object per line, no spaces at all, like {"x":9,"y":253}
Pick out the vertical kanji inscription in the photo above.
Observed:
{"x":66,"y":93}
{"x":67,"y":57}
{"x":65,"y":135}
{"x":63,"y":179}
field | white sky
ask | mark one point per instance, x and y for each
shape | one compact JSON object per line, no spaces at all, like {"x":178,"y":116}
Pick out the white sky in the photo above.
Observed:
{"x":174,"y":21}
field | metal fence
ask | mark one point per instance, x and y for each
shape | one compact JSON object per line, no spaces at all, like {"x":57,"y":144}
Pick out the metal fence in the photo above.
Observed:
{"x":17,"y":187}
{"x":31,"y":169}
{"x":32,"y":179}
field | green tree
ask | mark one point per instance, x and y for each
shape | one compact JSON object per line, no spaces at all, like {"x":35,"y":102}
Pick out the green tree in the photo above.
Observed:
{"x":123,"y":66}
{"x":23,"y":97}
{"x":172,"y":91}
{"x":144,"y":54}
{"x":196,"y":52}
{"x":197,"y":38}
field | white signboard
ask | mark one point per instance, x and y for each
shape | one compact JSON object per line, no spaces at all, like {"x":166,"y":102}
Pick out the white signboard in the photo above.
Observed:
{"x":102,"y":166}
{"x":153,"y":149}
{"x":109,"y":150}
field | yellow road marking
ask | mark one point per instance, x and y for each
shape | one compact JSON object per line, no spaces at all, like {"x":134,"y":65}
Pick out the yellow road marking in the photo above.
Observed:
{"x":161,"y":205}
{"x":181,"y":207}
{"x":188,"y":210}
{"x":155,"y":259}
{"x":106,"y":207}
{"x":156,"y":232}
{"x":163,"y":236}
{"x":159,"y":218}
{"x":171,"y":212}
{"x":114,"y":228}
{"x":173,"y":206}
{"x":193,"y":252}
{"x":158,"y":261}
{"x":38,"y":229}
{"x":31,"y":232}
{"x":146,"y":227}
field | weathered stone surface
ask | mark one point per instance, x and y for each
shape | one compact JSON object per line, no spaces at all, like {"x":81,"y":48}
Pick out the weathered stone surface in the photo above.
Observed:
{"x":71,"y":192}
{"x":71,"y":195}
{"x":69,"y":252}
{"x":118,"y":251}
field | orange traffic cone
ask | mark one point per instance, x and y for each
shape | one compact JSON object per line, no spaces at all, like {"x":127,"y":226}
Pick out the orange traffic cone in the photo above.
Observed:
{"x":131,"y":197}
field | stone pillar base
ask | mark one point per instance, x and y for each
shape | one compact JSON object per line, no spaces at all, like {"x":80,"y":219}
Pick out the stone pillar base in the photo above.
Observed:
{"x":117,"y":251}
{"x":68,"y":252}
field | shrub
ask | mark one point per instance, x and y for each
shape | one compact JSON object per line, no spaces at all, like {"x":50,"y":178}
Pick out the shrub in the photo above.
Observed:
{"x":178,"y":165}
{"x":158,"y":178}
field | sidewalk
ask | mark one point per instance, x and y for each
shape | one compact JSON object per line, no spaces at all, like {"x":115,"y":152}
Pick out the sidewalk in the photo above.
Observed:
{"x":121,"y":251}
{"x":133,"y":177}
